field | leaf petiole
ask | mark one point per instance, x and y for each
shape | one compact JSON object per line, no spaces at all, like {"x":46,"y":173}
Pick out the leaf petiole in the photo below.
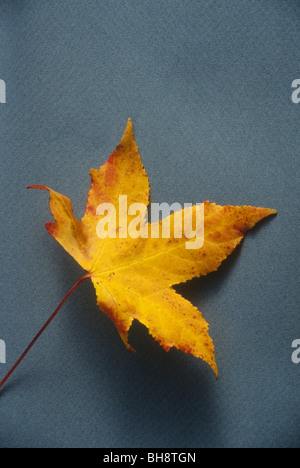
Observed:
{"x":43,"y":328}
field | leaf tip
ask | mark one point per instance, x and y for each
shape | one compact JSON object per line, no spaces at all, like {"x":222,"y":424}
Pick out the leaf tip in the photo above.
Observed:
{"x":129,"y":126}
{"x":38,"y":187}
{"x":267,"y":212}
{"x":273,"y":212}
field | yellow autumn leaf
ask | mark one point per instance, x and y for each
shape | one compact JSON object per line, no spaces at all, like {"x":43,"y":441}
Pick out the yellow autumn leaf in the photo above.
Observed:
{"x":133,"y":275}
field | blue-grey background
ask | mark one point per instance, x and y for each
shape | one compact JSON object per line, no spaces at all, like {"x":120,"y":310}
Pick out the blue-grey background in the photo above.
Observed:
{"x":208,"y":86}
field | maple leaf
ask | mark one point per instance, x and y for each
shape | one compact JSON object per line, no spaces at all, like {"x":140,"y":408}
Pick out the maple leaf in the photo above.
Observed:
{"x":133,"y":277}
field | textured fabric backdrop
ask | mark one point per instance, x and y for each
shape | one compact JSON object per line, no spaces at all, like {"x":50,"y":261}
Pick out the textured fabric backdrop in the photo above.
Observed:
{"x":208,"y":86}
